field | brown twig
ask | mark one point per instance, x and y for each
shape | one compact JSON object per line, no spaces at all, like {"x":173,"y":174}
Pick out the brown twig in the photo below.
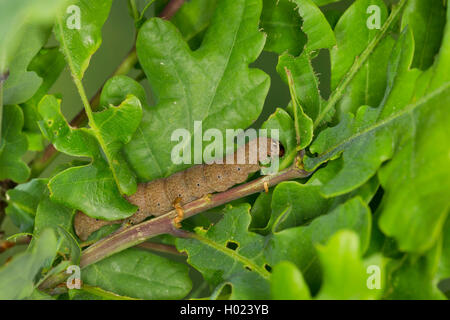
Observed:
{"x":131,"y":236}
{"x":171,"y":8}
{"x":127,"y":237}
{"x":6,"y":244}
{"x":160,"y":247}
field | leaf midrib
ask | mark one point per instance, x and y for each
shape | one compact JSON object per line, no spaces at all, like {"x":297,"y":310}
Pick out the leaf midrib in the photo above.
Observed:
{"x":394,"y":116}
{"x":234,"y":255}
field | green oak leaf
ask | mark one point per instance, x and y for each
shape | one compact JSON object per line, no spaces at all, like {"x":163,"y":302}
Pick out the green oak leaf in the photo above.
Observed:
{"x":287,"y":283}
{"x":59,"y":218}
{"x":19,"y":285}
{"x":79,"y":44}
{"x":353,"y":36}
{"x":420,"y":13}
{"x":117,"y":88}
{"x":303,"y":82}
{"x":343,"y":137}
{"x":23,"y":201}
{"x":22,"y":84}
{"x":39,"y":295}
{"x":416,"y":180}
{"x":139,"y":274}
{"x":193,"y":18}
{"x":294,"y":204}
{"x":95,"y":293}
{"x":298,"y":244}
{"x":212,"y":84}
{"x":13,"y":145}
{"x":114,"y":128}
{"x":315,"y":26}
{"x":228,"y":254}
{"x":280,"y":120}
{"x":48,"y":65}
{"x":414,"y":277}
{"x":90,"y":188}
{"x":324,"y":2}
{"x":444,"y":264}
{"x":260,"y":214}
{"x":24,"y":29}
{"x":345,"y":275}
{"x":306,"y":83}
{"x":16,"y":17}
{"x":412,"y":214}
{"x":281,"y":22}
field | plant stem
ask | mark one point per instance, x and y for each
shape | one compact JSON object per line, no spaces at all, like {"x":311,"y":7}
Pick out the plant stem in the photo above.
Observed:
{"x":160,"y":247}
{"x":171,"y":8}
{"x":133,"y":9}
{"x":127,"y":237}
{"x":6,"y":244}
{"x":131,"y":236}
{"x":359,"y":62}
{"x":294,"y":103}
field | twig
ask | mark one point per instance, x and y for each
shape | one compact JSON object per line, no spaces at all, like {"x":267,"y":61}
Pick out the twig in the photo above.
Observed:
{"x":6,"y":244}
{"x":131,"y":236}
{"x":171,"y":8}
{"x":160,"y":247}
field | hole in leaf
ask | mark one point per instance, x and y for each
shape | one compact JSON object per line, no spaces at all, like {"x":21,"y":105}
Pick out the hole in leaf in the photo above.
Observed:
{"x":232,"y":245}
{"x":268,"y":268}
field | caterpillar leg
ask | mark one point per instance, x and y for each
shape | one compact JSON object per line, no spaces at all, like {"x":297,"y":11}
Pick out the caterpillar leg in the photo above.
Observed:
{"x":180,"y":212}
{"x":266,"y":186}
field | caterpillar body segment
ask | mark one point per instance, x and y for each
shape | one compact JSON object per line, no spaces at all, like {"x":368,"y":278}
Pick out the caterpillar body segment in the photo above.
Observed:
{"x":162,"y":195}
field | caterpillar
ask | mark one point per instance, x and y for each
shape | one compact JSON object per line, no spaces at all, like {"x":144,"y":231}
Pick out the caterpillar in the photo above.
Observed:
{"x":158,"y":197}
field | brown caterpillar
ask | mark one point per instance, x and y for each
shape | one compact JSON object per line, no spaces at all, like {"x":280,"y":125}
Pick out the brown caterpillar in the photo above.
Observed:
{"x":159,"y":196}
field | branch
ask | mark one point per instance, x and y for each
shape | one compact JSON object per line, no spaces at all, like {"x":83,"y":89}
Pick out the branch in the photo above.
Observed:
{"x":131,"y":236}
{"x":127,"y":237}
{"x":160,"y":247}
{"x":6,"y":244}
{"x":171,"y":8}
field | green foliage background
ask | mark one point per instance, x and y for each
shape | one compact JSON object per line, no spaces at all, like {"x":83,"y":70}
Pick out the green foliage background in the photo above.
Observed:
{"x":373,"y":121}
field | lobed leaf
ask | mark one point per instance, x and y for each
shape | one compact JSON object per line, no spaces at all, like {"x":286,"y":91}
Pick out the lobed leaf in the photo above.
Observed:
{"x":228,"y":254}
{"x":79,"y":44}
{"x":420,"y":13}
{"x":23,"y":201}
{"x":19,"y":285}
{"x":13,"y":145}
{"x":90,"y":188}
{"x":287,"y":283}
{"x":298,"y":244}
{"x":212,"y":84}
{"x":48,"y":65}
{"x":281,"y":22}
{"x":344,"y":272}
{"x":353,"y":36}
